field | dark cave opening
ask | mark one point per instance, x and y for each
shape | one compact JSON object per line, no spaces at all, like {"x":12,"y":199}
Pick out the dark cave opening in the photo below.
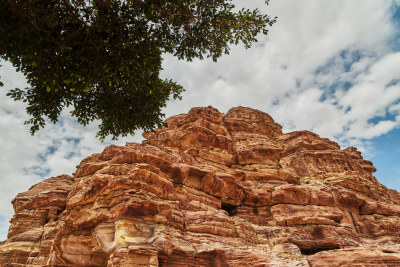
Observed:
{"x":230,"y":208}
{"x":313,"y":250}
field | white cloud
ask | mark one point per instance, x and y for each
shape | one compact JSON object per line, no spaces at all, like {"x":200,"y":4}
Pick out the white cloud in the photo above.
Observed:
{"x":346,"y":40}
{"x":395,"y":108}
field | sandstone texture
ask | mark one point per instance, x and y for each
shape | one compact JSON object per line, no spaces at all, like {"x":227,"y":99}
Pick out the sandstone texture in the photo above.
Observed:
{"x":211,"y":189}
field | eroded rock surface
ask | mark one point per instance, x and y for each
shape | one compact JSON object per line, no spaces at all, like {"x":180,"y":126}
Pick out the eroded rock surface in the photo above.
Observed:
{"x":211,"y":189}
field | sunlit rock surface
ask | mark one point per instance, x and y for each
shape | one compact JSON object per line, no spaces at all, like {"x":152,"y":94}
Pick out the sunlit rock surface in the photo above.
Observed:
{"x":211,"y":189}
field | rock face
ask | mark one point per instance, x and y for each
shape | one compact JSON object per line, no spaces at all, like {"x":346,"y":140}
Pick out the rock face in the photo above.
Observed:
{"x":211,"y":189}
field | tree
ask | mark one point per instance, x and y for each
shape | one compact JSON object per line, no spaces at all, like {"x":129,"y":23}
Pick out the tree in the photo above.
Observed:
{"x":103,"y":57}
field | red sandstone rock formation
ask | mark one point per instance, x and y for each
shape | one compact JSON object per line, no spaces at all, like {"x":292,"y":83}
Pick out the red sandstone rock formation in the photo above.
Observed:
{"x":211,"y":190}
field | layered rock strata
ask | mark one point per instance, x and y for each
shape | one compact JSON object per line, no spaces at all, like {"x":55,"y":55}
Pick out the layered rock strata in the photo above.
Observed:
{"x":211,"y":189}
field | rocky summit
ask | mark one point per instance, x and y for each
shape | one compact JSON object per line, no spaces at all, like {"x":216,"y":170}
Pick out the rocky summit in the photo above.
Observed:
{"x":211,"y":189}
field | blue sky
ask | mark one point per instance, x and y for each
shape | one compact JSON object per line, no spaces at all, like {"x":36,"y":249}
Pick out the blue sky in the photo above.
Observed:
{"x":386,"y":158}
{"x":331,"y":67}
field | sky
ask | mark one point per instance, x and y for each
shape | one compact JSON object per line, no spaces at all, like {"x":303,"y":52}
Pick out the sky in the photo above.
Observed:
{"x":331,"y":67}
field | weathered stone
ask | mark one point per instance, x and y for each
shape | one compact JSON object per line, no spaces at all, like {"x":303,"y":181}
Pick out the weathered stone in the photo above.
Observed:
{"x":211,"y":189}
{"x":360,"y":256}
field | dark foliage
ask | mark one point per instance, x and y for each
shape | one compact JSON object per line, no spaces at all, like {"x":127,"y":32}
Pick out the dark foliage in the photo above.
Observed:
{"x":103,"y":57}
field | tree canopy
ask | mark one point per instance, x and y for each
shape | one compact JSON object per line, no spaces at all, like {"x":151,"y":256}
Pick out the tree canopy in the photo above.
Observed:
{"x":103,"y":58}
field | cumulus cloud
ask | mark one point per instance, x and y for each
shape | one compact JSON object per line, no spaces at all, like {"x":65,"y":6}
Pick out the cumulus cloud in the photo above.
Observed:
{"x":325,"y":66}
